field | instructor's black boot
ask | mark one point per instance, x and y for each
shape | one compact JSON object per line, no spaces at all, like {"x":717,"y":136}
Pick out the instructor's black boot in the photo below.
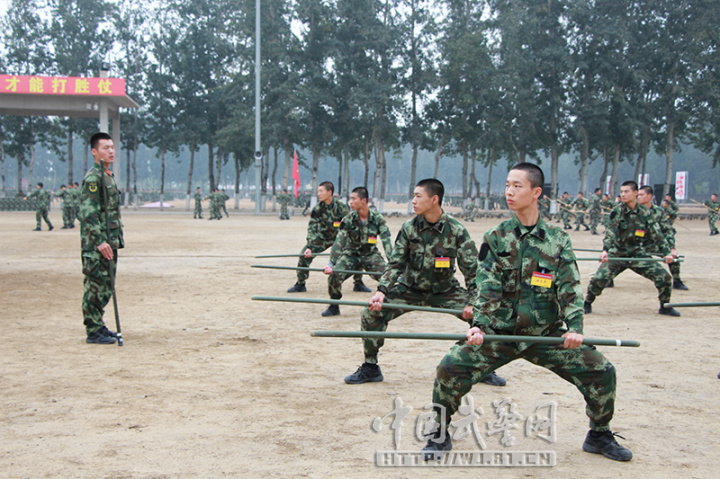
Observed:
{"x":668,"y":311}
{"x":493,"y":380}
{"x":366,"y":373}
{"x":361,"y":288}
{"x":298,"y":288}
{"x":587,"y":307}
{"x":604,"y":443}
{"x":333,"y":310}
{"x":435,"y":449}
{"x":678,"y":284}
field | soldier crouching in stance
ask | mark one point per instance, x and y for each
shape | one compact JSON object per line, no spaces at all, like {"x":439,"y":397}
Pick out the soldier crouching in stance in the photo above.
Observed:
{"x":528,"y":284}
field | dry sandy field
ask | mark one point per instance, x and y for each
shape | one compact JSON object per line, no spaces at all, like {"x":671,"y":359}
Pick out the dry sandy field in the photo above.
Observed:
{"x":210,"y":384}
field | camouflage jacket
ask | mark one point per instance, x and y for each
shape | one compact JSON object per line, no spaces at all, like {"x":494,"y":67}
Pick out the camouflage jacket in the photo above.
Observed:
{"x":198,"y":198}
{"x":528,"y":281}
{"x":424,"y":256}
{"x":595,"y":202}
{"x":325,"y":222}
{"x":580,"y":204}
{"x":42,"y":196}
{"x":283,"y":199}
{"x":668,"y":232}
{"x":357,"y":239}
{"x":75,"y":197}
{"x":66,"y":196}
{"x":93,"y":222}
{"x":713,"y":206}
{"x":629,"y":232}
{"x":672,"y":211}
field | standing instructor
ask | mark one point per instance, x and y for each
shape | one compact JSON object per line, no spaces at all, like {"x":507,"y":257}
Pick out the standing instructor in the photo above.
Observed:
{"x":99,"y":249}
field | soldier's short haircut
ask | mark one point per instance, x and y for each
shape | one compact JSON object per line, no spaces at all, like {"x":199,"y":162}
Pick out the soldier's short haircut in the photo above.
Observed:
{"x":598,"y":189}
{"x":328,"y":186}
{"x":633,"y":185}
{"x":76,"y":183}
{"x":95,"y":139}
{"x":433,"y":187}
{"x":63,"y":186}
{"x":534,"y":174}
{"x":647,"y":189}
{"x":362,"y":192}
{"x":40,"y":185}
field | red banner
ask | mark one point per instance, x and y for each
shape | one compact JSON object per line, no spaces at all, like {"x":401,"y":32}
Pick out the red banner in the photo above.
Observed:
{"x":296,"y":174}
{"x":62,"y":85}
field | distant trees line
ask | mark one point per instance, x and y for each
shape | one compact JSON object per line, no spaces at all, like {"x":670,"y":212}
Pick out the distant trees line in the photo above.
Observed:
{"x":485,"y":80}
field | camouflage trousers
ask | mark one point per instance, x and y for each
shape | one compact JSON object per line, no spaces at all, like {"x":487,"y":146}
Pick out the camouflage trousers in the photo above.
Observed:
{"x":650,"y":270}
{"x":304,"y":262}
{"x":97,"y":288}
{"x":456,"y":298}
{"x":565,"y":217}
{"x":284,"y":212}
{"x":67,"y":213}
{"x":580,"y":220}
{"x":712,"y":218}
{"x":198,"y":210}
{"x":42,"y":214}
{"x":585,"y":367}
{"x":373,"y":262}
{"x":594,"y":221}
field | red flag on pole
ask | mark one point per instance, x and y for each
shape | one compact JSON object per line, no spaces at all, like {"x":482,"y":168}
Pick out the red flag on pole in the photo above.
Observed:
{"x":296,"y":174}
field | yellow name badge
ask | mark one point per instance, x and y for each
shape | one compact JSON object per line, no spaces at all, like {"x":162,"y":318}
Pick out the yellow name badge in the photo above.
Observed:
{"x":372,"y":239}
{"x":541,"y":279}
{"x":442,"y":262}
{"x":640,"y":233}
{"x":336,"y":224}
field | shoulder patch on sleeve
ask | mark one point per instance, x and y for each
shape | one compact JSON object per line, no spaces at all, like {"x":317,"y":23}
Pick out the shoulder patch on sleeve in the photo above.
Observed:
{"x":484,"y":250}
{"x":92,"y":186}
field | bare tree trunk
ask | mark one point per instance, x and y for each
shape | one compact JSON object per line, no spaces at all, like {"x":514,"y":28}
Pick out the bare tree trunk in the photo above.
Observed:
{"x":134,"y":169}
{"x":19,"y":173}
{"x":615,"y":166}
{"x":464,"y":171}
{"x":70,"y":155}
{"x":489,"y":181}
{"x":473,"y":178}
{"x":438,"y":154}
{"x":346,"y":175}
{"x":669,"y":153}
{"x":366,"y":162}
{"x":188,"y":190}
{"x":162,"y":177}
{"x":315,"y":181}
{"x":32,"y":162}
{"x":2,"y":168}
{"x":379,"y":186}
{"x":237,"y":182}
{"x":219,"y":164}
{"x":288,"y":163}
{"x":584,"y":154}
{"x":211,"y":165}
{"x":554,"y":159}
{"x":603,"y":175}
{"x":338,"y":186}
{"x":274,"y":172}
{"x":413,"y":171}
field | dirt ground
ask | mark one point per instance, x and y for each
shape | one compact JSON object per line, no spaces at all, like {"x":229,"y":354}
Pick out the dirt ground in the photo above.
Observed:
{"x":211,"y":384}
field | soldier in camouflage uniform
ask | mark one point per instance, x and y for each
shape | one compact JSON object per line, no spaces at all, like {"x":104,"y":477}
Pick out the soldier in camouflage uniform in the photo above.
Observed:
{"x":645,"y":198}
{"x":99,"y":252}
{"x":42,"y":205}
{"x":65,"y":195}
{"x":197,"y":214}
{"x":713,"y":210}
{"x":323,"y":228}
{"x":421,"y":271}
{"x":564,"y":205}
{"x":223,"y":203}
{"x":528,"y":284}
{"x":607,"y":205}
{"x":595,"y":210}
{"x":75,"y":202}
{"x":284,"y":199}
{"x":470,"y":211}
{"x":214,"y":198}
{"x":580,"y":205}
{"x":544,"y":206}
{"x":671,"y":210}
{"x":631,"y":230}
{"x":355,"y":247}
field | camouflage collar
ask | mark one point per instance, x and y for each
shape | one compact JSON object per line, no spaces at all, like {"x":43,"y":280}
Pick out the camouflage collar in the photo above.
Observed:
{"x":520,"y":230}
{"x":423,"y":224}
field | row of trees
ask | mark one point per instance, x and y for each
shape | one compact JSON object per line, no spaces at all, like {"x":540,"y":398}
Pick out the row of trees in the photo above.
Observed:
{"x":487,"y":80}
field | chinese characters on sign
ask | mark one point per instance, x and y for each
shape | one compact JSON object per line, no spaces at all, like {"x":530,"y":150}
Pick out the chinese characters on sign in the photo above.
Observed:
{"x":680,"y":185}
{"x":62,"y":85}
